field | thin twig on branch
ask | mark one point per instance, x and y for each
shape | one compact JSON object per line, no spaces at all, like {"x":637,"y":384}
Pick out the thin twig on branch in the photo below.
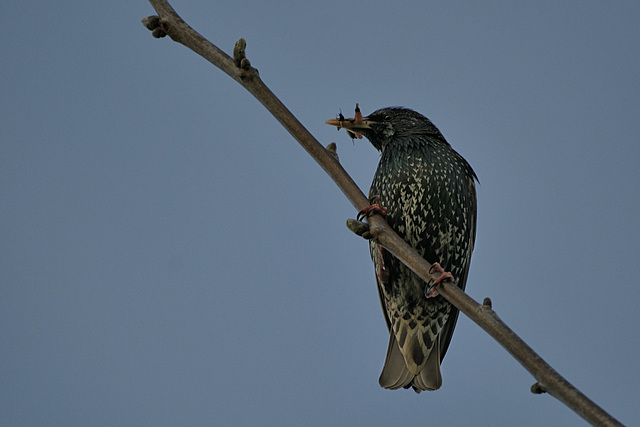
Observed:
{"x":239,"y":68}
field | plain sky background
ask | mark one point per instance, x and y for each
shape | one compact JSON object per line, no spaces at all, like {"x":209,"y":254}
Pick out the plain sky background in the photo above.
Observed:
{"x":170,"y":256}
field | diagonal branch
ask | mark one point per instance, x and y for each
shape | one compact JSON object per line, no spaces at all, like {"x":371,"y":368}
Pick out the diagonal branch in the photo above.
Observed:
{"x":239,"y":68}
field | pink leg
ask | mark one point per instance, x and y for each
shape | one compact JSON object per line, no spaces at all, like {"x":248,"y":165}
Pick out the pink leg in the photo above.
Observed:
{"x":432,"y":290}
{"x":374,"y":208}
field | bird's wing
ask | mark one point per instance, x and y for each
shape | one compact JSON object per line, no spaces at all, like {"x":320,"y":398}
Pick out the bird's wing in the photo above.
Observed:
{"x":447,"y":330}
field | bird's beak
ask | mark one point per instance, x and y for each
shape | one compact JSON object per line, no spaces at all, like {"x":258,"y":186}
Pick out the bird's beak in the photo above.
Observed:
{"x":351,"y":125}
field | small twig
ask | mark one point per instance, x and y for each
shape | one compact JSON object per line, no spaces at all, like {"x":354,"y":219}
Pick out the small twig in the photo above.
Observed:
{"x":239,"y":68}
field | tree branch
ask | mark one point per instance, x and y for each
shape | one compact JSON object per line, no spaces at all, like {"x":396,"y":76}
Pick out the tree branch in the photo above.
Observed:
{"x":239,"y":68}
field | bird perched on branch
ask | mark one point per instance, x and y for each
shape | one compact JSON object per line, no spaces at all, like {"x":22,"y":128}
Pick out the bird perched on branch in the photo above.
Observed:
{"x":426,"y":190}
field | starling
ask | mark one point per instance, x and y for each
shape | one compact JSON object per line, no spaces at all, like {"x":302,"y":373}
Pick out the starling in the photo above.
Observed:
{"x":428,"y":192}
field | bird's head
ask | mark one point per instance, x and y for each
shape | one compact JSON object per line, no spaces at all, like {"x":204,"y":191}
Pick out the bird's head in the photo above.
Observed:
{"x":387,"y":126}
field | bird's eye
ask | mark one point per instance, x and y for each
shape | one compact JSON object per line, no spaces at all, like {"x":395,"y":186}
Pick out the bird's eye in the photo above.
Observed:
{"x":387,"y":118}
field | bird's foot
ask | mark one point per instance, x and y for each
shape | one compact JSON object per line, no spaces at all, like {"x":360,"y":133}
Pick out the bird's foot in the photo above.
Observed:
{"x":431,"y":290}
{"x":374,"y":208}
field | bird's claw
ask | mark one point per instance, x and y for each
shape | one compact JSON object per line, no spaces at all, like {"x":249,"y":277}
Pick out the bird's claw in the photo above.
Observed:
{"x":431,"y":290}
{"x":374,"y":208}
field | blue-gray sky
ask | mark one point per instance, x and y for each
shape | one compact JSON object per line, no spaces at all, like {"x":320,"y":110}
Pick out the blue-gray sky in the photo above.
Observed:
{"x":170,"y":256}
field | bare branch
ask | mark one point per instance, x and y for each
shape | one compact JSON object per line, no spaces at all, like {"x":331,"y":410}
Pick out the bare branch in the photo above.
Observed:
{"x":239,"y":68}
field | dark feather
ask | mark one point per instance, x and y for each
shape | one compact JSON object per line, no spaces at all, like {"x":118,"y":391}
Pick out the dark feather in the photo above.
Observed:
{"x":429,"y":192}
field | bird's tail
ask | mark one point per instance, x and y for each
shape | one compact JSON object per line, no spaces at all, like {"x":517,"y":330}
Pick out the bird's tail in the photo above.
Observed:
{"x":395,"y":373}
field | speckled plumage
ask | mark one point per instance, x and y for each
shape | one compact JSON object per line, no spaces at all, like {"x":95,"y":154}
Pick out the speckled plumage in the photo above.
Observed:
{"x":429,"y":192}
